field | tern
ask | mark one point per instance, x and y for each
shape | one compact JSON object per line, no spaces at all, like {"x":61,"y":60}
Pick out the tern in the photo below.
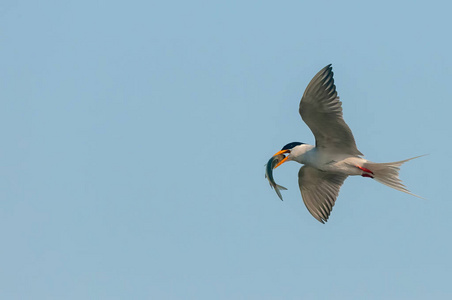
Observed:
{"x":335,"y":155}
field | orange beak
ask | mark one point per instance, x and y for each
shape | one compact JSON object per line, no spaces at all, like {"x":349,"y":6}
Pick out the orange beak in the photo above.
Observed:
{"x":284,"y":159}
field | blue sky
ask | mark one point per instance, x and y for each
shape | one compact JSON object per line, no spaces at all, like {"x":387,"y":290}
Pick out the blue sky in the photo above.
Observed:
{"x":134,"y":137}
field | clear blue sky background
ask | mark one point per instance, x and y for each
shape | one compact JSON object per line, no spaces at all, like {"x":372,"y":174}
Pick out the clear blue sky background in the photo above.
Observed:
{"x":134,"y":137}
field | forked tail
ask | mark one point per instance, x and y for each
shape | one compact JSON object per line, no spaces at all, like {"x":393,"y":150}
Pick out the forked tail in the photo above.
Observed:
{"x":388,"y":174}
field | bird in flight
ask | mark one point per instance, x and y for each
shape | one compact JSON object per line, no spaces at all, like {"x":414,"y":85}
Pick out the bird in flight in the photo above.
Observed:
{"x":334,"y":156}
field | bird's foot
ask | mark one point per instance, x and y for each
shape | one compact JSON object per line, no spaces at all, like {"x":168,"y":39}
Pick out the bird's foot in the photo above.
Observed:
{"x":367,"y":172}
{"x":367,"y":175}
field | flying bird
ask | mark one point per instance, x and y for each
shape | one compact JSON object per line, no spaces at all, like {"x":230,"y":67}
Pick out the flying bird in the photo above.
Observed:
{"x":334,"y":156}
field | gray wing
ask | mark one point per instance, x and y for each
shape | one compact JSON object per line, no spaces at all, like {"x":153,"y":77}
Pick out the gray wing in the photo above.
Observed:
{"x":321,"y":110}
{"x":319,"y":191}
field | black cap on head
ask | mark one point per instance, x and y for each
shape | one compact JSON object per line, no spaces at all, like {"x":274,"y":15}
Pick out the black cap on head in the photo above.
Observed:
{"x":291,"y":145}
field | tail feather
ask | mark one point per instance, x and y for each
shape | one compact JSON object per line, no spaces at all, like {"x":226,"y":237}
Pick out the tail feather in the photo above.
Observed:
{"x":388,"y":174}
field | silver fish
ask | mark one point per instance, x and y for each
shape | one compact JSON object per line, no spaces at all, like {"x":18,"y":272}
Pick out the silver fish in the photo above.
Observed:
{"x":269,"y":173}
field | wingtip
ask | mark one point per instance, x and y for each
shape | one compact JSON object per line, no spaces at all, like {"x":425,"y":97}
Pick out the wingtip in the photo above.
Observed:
{"x":327,"y":70}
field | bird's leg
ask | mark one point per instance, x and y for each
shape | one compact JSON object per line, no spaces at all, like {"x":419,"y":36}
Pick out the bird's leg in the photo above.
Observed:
{"x":367,"y":172}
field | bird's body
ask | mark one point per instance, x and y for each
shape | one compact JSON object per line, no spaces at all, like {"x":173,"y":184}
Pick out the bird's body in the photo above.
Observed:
{"x":335,"y":155}
{"x":326,"y":161}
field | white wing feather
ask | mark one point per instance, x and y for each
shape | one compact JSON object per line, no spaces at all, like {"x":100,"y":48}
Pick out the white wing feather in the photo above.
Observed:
{"x":321,"y":110}
{"x":319,"y":191}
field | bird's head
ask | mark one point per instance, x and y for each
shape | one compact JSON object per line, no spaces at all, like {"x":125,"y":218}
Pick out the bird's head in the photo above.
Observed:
{"x":286,"y":150}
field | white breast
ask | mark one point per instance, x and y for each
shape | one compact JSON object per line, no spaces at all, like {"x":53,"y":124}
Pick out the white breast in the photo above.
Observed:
{"x":327,"y":161}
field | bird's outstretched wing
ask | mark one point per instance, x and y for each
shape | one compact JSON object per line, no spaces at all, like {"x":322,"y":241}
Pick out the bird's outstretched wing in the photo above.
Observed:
{"x":321,"y":110}
{"x":319,"y":190}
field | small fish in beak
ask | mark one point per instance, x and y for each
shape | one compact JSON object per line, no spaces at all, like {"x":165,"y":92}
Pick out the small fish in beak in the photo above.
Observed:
{"x":272,"y":163}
